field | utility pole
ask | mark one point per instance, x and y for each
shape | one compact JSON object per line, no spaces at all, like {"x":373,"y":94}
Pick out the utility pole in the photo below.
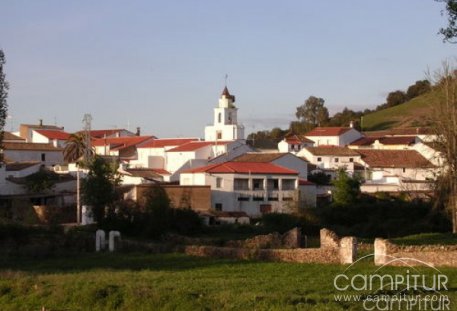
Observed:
{"x":87,"y":121}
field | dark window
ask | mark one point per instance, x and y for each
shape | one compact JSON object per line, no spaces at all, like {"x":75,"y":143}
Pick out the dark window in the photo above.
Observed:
{"x":218,"y":182}
{"x":272,"y":184}
{"x":257,"y":198}
{"x":243,"y":198}
{"x":265,"y":208}
{"x":241,"y":184}
{"x":219,"y":135}
{"x":319,"y":159}
{"x":404,"y":170}
{"x":43,"y":157}
{"x":219,"y":117}
{"x":351,"y":159}
{"x":336,"y":160}
{"x":257,"y":184}
{"x":218,"y":206}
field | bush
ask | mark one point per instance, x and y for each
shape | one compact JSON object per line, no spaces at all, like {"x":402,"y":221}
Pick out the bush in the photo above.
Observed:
{"x":276,"y":222}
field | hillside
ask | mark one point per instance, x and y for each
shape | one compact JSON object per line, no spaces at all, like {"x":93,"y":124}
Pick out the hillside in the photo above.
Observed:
{"x":410,"y":114}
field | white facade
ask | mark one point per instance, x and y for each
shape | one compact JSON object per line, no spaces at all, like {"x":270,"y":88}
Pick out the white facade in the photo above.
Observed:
{"x":46,"y":157}
{"x":331,"y":160}
{"x":342,"y":140}
{"x":225,"y":125}
{"x":253,"y":194}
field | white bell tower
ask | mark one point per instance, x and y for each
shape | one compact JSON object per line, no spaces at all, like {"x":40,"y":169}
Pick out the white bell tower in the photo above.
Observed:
{"x":225,"y":126}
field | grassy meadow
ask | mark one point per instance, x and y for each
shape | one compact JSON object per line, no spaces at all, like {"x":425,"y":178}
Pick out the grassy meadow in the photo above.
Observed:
{"x":134,"y":281}
{"x":410,"y":114}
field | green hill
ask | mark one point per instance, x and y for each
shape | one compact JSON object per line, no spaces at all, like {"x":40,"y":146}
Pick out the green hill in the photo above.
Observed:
{"x":410,"y":114}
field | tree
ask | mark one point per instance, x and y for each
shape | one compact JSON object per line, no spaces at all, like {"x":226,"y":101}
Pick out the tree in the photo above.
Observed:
{"x":347,"y":188}
{"x":395,"y":98}
{"x":3,"y":95}
{"x":313,"y":112}
{"x":450,"y":32}
{"x":41,"y":181}
{"x":418,"y":88}
{"x":443,"y":120}
{"x":99,"y":187}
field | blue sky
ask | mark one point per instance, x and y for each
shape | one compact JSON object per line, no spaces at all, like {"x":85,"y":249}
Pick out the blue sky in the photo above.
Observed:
{"x":160,"y":65}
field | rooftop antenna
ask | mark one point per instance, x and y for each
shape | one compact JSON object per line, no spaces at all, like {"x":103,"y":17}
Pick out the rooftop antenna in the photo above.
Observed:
{"x":226,"y":77}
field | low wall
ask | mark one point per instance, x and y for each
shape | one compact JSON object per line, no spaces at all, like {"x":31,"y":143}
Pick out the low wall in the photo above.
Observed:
{"x":332,"y":251}
{"x":387,"y":253}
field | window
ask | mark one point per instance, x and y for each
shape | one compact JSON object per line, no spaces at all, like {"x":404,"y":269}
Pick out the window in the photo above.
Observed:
{"x":241,"y":184}
{"x":219,"y":117}
{"x":230,"y":118}
{"x":43,"y":157}
{"x":219,"y":135}
{"x":404,"y":170}
{"x":337,"y":160}
{"x":351,"y":160}
{"x":288,"y":184}
{"x":257,"y":184}
{"x":265,"y":208}
{"x":218,"y":206}
{"x":218,"y":182}
{"x":243,"y":198}
{"x":319,"y":159}
{"x":273,"y":184}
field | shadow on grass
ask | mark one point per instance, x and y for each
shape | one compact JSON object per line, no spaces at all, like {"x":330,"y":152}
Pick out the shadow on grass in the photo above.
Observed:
{"x":116,"y":261}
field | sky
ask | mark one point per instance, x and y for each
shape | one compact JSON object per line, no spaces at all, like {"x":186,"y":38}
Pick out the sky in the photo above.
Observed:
{"x":161,"y":65}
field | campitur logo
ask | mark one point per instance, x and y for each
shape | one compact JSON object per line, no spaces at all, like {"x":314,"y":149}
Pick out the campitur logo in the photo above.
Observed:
{"x":415,"y":286}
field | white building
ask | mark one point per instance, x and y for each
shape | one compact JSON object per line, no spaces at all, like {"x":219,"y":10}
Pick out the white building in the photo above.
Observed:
{"x":331,"y":157}
{"x":333,"y":136}
{"x":396,"y":170}
{"x":385,"y":142}
{"x":294,"y":143}
{"x":55,"y":137}
{"x":225,"y":126}
{"x":250,"y":187}
{"x":26,"y":131}
{"x":46,"y":154}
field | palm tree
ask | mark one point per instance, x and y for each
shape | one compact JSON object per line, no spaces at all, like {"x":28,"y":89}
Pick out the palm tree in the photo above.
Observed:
{"x":76,"y":150}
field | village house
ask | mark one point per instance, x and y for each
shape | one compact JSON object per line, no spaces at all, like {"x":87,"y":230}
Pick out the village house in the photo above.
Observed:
{"x":331,"y":158}
{"x":26,"y":131}
{"x":251,"y":187}
{"x":293,"y":143}
{"x":333,"y":136}
{"x":396,"y":171}
{"x":308,"y":190}
{"x":44,"y":153}
{"x":57,"y":138}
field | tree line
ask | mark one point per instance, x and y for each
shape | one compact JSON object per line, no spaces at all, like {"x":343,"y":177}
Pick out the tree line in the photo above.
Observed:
{"x":313,"y":113}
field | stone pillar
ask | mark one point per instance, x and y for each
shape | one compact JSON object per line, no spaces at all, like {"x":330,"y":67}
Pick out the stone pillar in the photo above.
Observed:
{"x":113,"y":237}
{"x":348,"y":250}
{"x":292,"y":238}
{"x":100,"y":241}
{"x":380,"y":252}
{"x":329,"y":238}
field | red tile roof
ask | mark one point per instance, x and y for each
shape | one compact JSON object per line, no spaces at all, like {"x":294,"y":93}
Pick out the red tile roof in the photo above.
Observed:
{"x":331,"y":151}
{"x":166,"y":142}
{"x":54,"y":134}
{"x":244,"y":168}
{"x":195,"y":145}
{"x":10,"y":136}
{"x":117,"y":143}
{"x":394,"y":158}
{"x":328,"y":131}
{"x":30,"y":146}
{"x":385,"y":140}
{"x":409,"y":131}
{"x":297,"y":139}
{"x":259,"y":157}
{"x":303,"y":182}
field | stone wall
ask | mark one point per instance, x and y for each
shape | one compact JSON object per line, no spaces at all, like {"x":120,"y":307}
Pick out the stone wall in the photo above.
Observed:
{"x":332,"y":251}
{"x":197,"y":198}
{"x":387,"y":253}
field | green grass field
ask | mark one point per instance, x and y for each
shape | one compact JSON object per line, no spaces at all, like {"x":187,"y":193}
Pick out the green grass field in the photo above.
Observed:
{"x":410,"y":114}
{"x":132,"y":281}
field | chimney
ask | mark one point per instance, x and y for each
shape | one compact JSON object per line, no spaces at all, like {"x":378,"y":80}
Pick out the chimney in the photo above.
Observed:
{"x":351,"y":124}
{"x":41,"y":122}
{"x":138,"y":131}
